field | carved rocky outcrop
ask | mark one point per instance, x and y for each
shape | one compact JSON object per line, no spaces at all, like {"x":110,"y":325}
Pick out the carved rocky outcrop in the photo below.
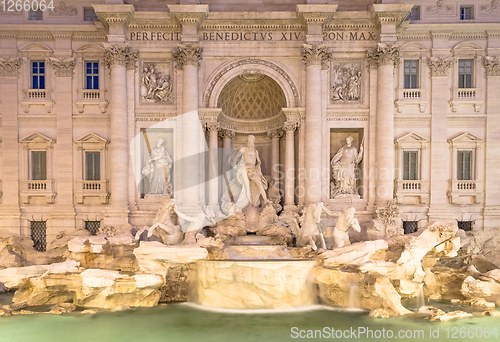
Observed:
{"x":384,"y":54}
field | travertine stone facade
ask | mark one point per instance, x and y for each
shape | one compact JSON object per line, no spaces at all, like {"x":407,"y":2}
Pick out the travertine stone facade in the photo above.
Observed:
{"x":420,"y":94}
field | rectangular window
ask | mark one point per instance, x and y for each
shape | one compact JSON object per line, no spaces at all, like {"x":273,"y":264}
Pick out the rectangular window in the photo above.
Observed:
{"x":91,"y":75}
{"x":411,"y":74}
{"x":410,"y":226}
{"x":39,"y":235}
{"x":466,"y":12}
{"x":415,"y":13}
{"x":35,"y":15}
{"x":465,"y":73}
{"x":465,"y":225}
{"x":464,"y":165}
{"x":37,"y":75}
{"x":38,"y":165}
{"x":93,"y":166}
{"x":410,"y":165}
{"x":93,"y":226}
{"x":89,"y":14}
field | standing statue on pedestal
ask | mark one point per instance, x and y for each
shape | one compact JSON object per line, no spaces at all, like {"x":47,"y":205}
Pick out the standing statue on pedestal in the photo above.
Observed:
{"x":343,"y":168}
{"x":249,"y":185}
{"x":158,"y":169}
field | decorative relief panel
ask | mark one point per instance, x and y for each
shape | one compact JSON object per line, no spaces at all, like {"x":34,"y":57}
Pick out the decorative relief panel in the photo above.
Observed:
{"x":346,"y":83}
{"x":156,"y":83}
{"x":492,"y":8}
{"x":63,"y":10}
{"x":440,"y":8}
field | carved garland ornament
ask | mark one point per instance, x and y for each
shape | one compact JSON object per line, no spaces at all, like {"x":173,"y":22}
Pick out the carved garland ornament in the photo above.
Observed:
{"x":236,"y":64}
{"x":440,"y":66}
{"x":492,"y":66}
{"x":187,"y":55}
{"x":63,"y":67}
{"x":121,"y":55}
{"x":383,"y":54}
{"x":9,"y":66}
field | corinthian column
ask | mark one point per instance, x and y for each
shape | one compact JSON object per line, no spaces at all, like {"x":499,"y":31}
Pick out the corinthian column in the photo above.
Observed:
{"x":117,"y":57}
{"x":290,"y":165}
{"x":9,"y":172}
{"x":275,"y":136}
{"x":385,"y":57}
{"x":188,"y":58}
{"x":213,"y":165}
{"x":313,"y":56}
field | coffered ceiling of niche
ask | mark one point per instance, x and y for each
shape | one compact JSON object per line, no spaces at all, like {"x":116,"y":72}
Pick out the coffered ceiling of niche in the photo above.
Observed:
{"x":252,"y":95}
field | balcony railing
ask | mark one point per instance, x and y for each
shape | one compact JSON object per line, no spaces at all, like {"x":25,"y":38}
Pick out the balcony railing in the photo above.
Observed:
{"x":411,"y":94}
{"x":465,"y":185}
{"x":91,"y":94}
{"x":86,"y":188}
{"x":38,"y":188}
{"x":411,"y":185}
{"x":466,"y":93}
{"x":37,"y":94}
{"x":93,"y":185}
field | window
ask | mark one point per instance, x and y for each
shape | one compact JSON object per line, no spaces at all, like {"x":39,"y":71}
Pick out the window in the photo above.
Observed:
{"x":91,"y":75}
{"x":464,"y":165}
{"x":37,"y":75}
{"x":466,"y":12}
{"x":410,"y":165}
{"x":93,"y":166}
{"x":89,"y":14}
{"x":465,"y":225}
{"x":411,"y":74}
{"x":38,"y":165}
{"x":35,"y":15}
{"x":415,"y":13}
{"x":93,"y":226}
{"x":39,"y":235}
{"x":465,"y":73}
{"x":410,"y":226}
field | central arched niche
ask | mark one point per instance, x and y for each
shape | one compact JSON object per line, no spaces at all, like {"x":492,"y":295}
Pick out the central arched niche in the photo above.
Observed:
{"x":252,"y":96}
{"x":252,"y":103}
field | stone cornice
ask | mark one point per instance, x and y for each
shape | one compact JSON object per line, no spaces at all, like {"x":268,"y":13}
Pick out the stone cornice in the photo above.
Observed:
{"x":120,"y":54}
{"x":115,"y":14}
{"x":9,"y":66}
{"x":390,"y":13}
{"x":315,"y":54}
{"x":492,"y":66}
{"x":383,"y":54}
{"x":315,"y":14}
{"x":187,"y":55}
{"x":440,"y":66}
{"x":63,"y":67}
{"x":189,"y":14}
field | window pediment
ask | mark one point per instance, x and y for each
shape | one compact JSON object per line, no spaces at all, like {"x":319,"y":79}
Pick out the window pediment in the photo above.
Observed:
{"x":465,"y":140}
{"x":38,"y":139}
{"x":91,"y":139}
{"x":411,"y":140}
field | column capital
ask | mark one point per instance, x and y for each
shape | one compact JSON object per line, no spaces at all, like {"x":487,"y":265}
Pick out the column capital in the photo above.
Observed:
{"x":63,"y":67}
{"x":275,"y":133}
{"x":291,"y":125}
{"x":492,"y":66}
{"x":440,"y":66}
{"x":315,"y":54}
{"x":383,"y":54}
{"x":187,"y":55}
{"x":9,"y":66}
{"x":120,"y":54}
{"x":212,"y":126}
{"x":226,"y":133}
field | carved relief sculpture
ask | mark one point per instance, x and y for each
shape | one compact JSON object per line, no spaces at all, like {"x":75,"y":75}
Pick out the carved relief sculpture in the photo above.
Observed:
{"x":65,"y":10}
{"x":440,"y":66}
{"x":63,"y":67}
{"x":346,"y":83}
{"x":9,"y":66}
{"x":344,"y":168}
{"x":440,"y":8}
{"x":492,"y":66}
{"x":493,"y":8}
{"x":158,"y":169}
{"x":157,"y":86}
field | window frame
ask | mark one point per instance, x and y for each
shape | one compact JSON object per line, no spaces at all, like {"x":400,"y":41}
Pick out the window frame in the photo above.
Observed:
{"x":462,"y":15}
{"x":31,"y":163}
{"x":89,"y":9}
{"x":85,"y":163}
{"x":472,"y":73}
{"x":86,"y":74}
{"x":472,"y":164}
{"x":417,"y":162}
{"x":417,"y":74}
{"x":38,"y":74}
{"x":35,"y":15}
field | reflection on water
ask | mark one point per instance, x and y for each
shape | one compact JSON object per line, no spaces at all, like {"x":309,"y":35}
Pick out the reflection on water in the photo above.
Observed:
{"x":178,"y":322}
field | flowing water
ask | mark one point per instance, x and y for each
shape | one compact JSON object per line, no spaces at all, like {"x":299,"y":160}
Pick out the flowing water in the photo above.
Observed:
{"x":420,"y":296}
{"x":183,"y":323}
{"x":354,"y":297}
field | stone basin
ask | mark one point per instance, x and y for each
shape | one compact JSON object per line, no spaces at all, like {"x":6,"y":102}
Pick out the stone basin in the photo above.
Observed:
{"x":254,"y":284}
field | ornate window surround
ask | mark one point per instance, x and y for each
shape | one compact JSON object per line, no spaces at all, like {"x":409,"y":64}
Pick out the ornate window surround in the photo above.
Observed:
{"x":468,"y":96}
{"x":36,"y":97}
{"x":84,"y":188}
{"x":37,"y":188}
{"x":86,"y":97}
{"x":412,"y":188}
{"x":413,"y":97}
{"x":463,"y":191}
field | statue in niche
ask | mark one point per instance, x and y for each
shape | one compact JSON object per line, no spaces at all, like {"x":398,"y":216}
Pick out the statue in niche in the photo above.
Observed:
{"x":346,"y":83}
{"x":158,"y":169}
{"x":340,"y":233}
{"x":249,"y":186}
{"x":158,"y":87}
{"x":310,"y":223}
{"x":163,"y":227}
{"x":344,"y":168}
{"x":194,"y":224}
